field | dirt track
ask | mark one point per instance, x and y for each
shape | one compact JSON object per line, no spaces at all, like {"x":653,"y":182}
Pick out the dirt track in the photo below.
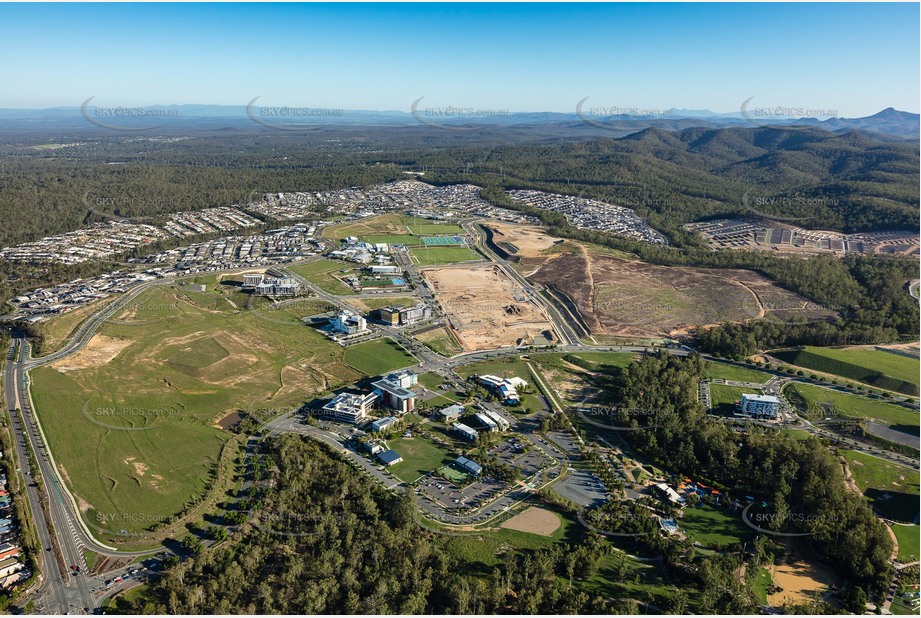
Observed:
{"x":534,"y":520}
{"x":801,"y":582}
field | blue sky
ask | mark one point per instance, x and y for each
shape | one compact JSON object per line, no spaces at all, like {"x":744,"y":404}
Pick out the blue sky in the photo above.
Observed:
{"x":855,"y":59}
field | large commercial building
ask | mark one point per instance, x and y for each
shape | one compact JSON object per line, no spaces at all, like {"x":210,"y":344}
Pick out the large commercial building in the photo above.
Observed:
{"x":762,"y":406}
{"x":265,"y":285}
{"x":397,"y":398}
{"x":485,"y":422}
{"x":389,"y":458}
{"x":383,"y":423}
{"x":349,"y":323}
{"x":500,"y":422}
{"x":394,"y":391}
{"x":467,"y":432}
{"x":451,"y":412}
{"x":507,"y":389}
{"x":384,"y":270}
{"x":397,"y":315}
{"x":350,"y":407}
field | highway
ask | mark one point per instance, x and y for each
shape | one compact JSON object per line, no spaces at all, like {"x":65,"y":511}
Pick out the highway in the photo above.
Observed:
{"x":61,"y":528}
{"x":568,"y":334}
{"x":61,"y":531}
{"x":56,"y":533}
{"x":89,"y":327}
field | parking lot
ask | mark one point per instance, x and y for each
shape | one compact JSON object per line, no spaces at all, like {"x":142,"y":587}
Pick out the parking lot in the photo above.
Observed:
{"x":478,"y":493}
{"x":566,"y":443}
{"x":442,"y":492}
{"x":583,"y":488}
{"x":511,"y":452}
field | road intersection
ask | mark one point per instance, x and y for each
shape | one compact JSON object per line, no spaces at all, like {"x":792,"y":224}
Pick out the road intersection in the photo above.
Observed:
{"x":64,"y":536}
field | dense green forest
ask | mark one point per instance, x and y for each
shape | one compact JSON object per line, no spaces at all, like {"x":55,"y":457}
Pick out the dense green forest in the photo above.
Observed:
{"x":847,"y":182}
{"x":333,"y":542}
{"x":801,"y":480}
{"x":839,"y":182}
{"x":328,"y":540}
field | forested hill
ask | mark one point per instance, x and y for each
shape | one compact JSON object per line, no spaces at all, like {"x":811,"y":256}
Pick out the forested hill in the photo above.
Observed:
{"x":330,"y":541}
{"x":848,"y":182}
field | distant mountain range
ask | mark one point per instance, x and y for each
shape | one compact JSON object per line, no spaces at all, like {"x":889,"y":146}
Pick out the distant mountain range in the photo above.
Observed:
{"x":889,"y":124}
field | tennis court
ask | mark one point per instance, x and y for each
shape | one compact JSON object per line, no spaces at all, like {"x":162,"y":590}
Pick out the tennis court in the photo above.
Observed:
{"x":452,"y":474}
{"x":442,"y":240}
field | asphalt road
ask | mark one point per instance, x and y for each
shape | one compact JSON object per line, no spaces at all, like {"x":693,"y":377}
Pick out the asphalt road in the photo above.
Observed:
{"x":63,"y":529}
{"x":69,"y":593}
{"x":59,"y":527}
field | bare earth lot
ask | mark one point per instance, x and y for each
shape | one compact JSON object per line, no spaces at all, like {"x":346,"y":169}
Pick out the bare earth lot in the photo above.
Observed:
{"x":485,"y":308}
{"x":615,"y":296}
{"x":800,"y":582}
{"x":534,"y":520}
{"x":97,"y":353}
{"x":522,"y":240}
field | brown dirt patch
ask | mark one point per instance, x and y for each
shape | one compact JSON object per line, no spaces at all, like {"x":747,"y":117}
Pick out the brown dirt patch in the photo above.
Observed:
{"x":485,"y":308}
{"x":534,"y":520}
{"x":139,"y":468}
{"x":98,"y":352}
{"x":800,"y":581}
{"x":631,"y":298}
{"x":526,"y":240}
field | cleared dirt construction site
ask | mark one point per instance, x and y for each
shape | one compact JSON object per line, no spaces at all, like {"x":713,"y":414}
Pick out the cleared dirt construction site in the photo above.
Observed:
{"x":525,"y":241}
{"x":534,"y":520}
{"x":486,"y":309}
{"x":615,"y":296}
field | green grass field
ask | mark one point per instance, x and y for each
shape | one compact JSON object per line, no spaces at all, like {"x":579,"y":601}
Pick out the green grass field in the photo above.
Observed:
{"x":420,"y":456}
{"x":892,"y":489}
{"x":502,"y":367}
{"x":900,"y":608}
{"x":132,"y":419}
{"x":798,"y":434}
{"x":372,"y":225}
{"x":439,"y":255}
{"x":724,"y":398}
{"x":452,"y":474}
{"x":761,"y":583}
{"x":483,"y":550}
{"x":323,"y":274}
{"x":713,"y":528}
{"x":432,"y":229}
{"x":909,"y":541}
{"x":623,"y":576}
{"x":592,"y":361}
{"x":735,"y":373}
{"x":392,"y":229}
{"x":394,"y":239}
{"x":819,"y":400}
{"x":441,"y":341}
{"x":56,"y":331}
{"x":431,"y":380}
{"x":378,"y":357}
{"x":885,"y":370}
